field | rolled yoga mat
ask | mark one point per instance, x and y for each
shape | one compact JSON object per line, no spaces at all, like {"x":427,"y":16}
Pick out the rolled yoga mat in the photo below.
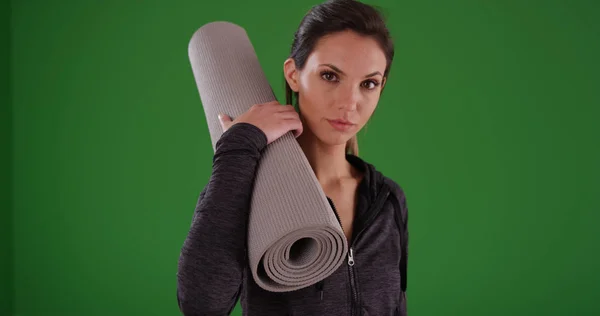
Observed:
{"x":294,"y":237}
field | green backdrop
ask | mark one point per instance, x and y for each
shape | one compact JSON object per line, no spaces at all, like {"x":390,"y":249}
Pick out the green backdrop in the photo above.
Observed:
{"x":489,"y":122}
{"x":6,"y":258}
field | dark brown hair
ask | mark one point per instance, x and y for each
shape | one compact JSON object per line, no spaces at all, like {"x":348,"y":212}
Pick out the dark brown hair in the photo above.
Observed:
{"x":336,"y":16}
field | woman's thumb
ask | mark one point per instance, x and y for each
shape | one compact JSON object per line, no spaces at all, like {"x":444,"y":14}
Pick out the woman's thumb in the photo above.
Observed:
{"x":224,"y":119}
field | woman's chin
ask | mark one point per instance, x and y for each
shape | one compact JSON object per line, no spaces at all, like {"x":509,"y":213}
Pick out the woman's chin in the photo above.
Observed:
{"x":334,"y":139}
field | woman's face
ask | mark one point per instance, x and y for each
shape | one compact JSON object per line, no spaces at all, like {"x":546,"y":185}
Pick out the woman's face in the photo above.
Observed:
{"x":340,"y":85}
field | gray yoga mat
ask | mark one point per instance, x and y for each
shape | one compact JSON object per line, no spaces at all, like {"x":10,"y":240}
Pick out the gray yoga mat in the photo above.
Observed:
{"x":294,"y":238}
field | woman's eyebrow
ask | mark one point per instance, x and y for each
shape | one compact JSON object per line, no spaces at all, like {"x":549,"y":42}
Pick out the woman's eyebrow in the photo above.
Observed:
{"x":342,"y":73}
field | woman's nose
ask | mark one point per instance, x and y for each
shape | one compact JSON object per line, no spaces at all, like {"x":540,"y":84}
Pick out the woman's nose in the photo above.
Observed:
{"x":348,"y":98}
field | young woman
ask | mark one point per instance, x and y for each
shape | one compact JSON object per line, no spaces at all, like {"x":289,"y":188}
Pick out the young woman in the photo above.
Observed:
{"x":339,"y":63}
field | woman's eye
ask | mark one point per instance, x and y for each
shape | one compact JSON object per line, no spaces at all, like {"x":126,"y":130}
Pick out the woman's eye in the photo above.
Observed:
{"x":329,"y":76}
{"x":370,"y":84}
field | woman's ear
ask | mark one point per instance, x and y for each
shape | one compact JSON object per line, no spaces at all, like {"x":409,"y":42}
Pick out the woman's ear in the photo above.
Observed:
{"x":291,"y":74}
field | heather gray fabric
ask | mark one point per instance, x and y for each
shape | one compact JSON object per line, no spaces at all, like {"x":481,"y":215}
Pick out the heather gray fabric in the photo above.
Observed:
{"x":294,"y":237}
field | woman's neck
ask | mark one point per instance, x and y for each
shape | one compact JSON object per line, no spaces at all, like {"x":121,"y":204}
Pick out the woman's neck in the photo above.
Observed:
{"x":328,"y":162}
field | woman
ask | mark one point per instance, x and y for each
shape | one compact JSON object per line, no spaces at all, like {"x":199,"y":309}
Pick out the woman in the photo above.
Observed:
{"x":340,"y":60}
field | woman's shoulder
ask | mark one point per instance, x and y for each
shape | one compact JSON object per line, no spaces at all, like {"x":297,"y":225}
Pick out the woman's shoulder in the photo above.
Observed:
{"x":377,"y":176}
{"x":397,"y":191}
{"x":394,"y":186}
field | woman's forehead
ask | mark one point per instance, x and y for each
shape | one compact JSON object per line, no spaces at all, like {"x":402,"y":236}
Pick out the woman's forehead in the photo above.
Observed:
{"x":349,"y":52}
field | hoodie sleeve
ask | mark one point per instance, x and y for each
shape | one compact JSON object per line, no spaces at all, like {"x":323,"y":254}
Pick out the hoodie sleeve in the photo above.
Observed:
{"x":404,"y":260}
{"x":212,"y":259}
{"x":402,"y":209}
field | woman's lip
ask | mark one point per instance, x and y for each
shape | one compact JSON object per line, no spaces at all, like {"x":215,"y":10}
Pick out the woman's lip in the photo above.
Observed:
{"x":342,"y":122}
{"x":340,"y":126}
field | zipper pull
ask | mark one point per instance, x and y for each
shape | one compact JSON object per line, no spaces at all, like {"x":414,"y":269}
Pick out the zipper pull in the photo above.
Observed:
{"x":351,"y":257}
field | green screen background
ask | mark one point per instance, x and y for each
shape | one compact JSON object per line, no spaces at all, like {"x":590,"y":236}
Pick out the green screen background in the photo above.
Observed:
{"x":490,"y":123}
{"x":6,"y":240}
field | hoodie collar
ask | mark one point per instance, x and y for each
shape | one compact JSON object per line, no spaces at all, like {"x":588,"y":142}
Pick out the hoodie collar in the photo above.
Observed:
{"x":370,"y":185}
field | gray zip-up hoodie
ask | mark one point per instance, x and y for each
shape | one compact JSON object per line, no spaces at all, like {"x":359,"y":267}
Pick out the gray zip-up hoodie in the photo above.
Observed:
{"x":213,"y":271}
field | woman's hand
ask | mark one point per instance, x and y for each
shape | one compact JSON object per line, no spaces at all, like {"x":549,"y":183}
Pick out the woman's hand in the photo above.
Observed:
{"x":274,"y":119}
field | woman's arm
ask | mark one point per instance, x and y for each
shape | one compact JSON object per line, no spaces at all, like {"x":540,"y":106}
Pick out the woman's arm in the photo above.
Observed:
{"x":404,"y":259}
{"x":213,"y":255}
{"x":402,"y":222}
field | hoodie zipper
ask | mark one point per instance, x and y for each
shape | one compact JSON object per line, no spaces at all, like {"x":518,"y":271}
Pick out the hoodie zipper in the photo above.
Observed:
{"x":350,"y":264}
{"x":353,"y":285}
{"x":374,"y":210}
{"x":320,"y":284}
